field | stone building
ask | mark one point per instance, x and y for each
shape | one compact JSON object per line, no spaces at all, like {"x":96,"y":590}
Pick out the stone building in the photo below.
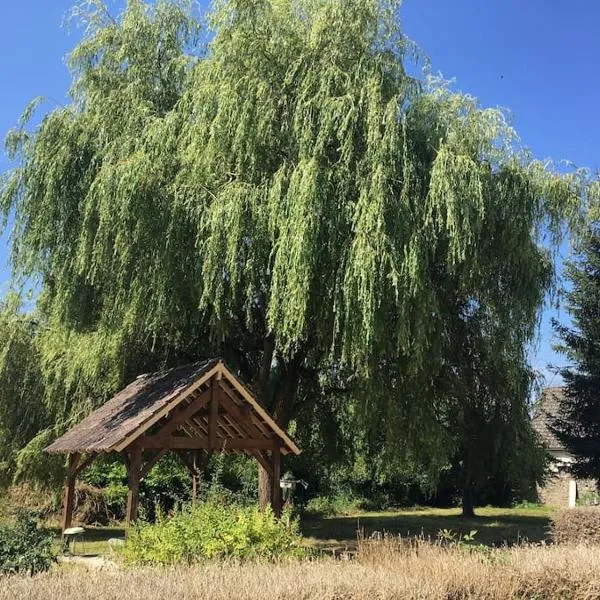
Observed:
{"x":561,"y":489}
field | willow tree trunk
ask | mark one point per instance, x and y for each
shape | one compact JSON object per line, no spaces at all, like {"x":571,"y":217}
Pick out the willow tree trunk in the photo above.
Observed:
{"x":282,"y":409}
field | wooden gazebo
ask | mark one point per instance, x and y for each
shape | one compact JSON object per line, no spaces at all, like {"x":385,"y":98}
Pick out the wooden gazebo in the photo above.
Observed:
{"x":194,"y":411}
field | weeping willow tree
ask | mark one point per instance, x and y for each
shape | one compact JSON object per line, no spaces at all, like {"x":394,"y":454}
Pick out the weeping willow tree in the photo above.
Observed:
{"x":276,"y":189}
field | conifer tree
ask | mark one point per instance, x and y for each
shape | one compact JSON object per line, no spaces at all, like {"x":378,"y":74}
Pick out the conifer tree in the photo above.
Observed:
{"x":578,"y":425}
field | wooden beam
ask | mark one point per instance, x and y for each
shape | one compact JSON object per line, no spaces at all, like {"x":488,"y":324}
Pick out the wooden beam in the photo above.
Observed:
{"x":182,"y":415}
{"x":238,"y":416}
{"x":232,"y":379}
{"x":169,"y":407}
{"x":85,"y":463}
{"x":151,"y":462}
{"x":251,"y":415}
{"x":275,"y":480}
{"x":214,"y":415}
{"x":263,"y":461}
{"x":182,"y":442}
{"x":69,"y":491}
{"x":192,"y":428}
{"x":133,"y":493}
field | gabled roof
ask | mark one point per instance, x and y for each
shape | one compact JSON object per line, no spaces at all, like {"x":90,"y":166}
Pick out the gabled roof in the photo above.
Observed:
{"x":182,"y":395}
{"x":546,"y":410}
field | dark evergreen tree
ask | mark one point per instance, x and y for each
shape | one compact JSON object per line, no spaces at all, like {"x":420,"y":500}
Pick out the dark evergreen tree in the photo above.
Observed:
{"x":578,"y":423}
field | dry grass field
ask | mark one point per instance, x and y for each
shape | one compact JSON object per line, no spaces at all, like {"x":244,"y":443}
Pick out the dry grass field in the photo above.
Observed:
{"x":381,"y":571}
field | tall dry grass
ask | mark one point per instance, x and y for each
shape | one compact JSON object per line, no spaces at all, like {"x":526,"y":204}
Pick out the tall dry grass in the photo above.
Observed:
{"x":383,"y":571}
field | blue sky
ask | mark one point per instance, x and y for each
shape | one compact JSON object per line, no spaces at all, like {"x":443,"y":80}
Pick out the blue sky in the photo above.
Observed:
{"x":538,"y":58}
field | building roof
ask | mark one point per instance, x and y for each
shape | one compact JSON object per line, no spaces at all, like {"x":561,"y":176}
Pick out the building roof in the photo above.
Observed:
{"x":182,"y":395}
{"x":546,"y":410}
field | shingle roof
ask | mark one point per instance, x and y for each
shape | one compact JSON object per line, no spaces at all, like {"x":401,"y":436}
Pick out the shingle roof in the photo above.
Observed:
{"x":546,"y":411}
{"x":131,"y":407}
{"x":151,"y":397}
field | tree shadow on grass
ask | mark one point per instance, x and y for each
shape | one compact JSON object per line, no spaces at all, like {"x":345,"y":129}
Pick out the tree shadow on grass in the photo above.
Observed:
{"x":491,"y":530}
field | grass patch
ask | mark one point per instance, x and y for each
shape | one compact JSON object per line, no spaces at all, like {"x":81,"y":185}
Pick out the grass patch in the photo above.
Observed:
{"x":495,"y":526}
{"x":94,"y":541}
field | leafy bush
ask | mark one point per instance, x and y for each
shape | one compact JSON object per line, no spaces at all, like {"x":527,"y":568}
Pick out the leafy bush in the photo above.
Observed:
{"x":333,"y":505}
{"x":166,"y":488}
{"x":589,"y":498}
{"x":576,"y":525}
{"x":212,"y":530}
{"x":24,"y":548}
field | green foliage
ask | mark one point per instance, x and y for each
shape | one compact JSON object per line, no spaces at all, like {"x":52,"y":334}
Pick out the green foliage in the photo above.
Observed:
{"x":110,"y":475}
{"x":213,"y":530}
{"x":22,"y":410}
{"x":497,"y":454}
{"x":588,"y":499}
{"x":168,"y":484}
{"x":325,"y":506}
{"x":447,"y":536}
{"x":282,"y":193}
{"x":579,"y":419}
{"x":24,"y":547}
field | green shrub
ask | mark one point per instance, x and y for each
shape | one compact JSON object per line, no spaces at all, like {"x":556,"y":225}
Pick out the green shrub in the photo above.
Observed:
{"x":576,"y":525}
{"x":24,"y":548}
{"x":326,"y":506}
{"x":589,"y":498}
{"x":211,"y":530}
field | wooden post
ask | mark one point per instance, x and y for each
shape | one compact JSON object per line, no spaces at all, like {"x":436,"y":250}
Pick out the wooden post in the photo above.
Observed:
{"x":214,"y":415}
{"x":195,"y":476}
{"x":133,"y":494}
{"x":275,"y":480}
{"x":69,"y":491}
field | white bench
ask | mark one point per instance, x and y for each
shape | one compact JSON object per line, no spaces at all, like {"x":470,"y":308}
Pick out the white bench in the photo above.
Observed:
{"x":71,"y":535}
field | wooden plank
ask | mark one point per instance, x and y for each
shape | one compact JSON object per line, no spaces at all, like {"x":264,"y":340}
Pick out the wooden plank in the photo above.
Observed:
{"x":183,"y":442}
{"x":234,"y":429}
{"x":141,"y":429}
{"x":192,"y":429}
{"x":85,"y":463}
{"x":200,"y":424}
{"x":263,"y":461}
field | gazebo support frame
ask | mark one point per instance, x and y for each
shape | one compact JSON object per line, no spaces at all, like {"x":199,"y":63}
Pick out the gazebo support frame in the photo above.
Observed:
{"x":218,"y":415}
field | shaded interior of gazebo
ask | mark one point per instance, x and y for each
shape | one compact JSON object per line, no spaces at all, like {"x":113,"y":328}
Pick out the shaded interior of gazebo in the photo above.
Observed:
{"x":193,"y":411}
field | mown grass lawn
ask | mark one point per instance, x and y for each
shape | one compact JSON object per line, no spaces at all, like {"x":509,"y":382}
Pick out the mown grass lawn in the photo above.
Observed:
{"x":494,"y":526}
